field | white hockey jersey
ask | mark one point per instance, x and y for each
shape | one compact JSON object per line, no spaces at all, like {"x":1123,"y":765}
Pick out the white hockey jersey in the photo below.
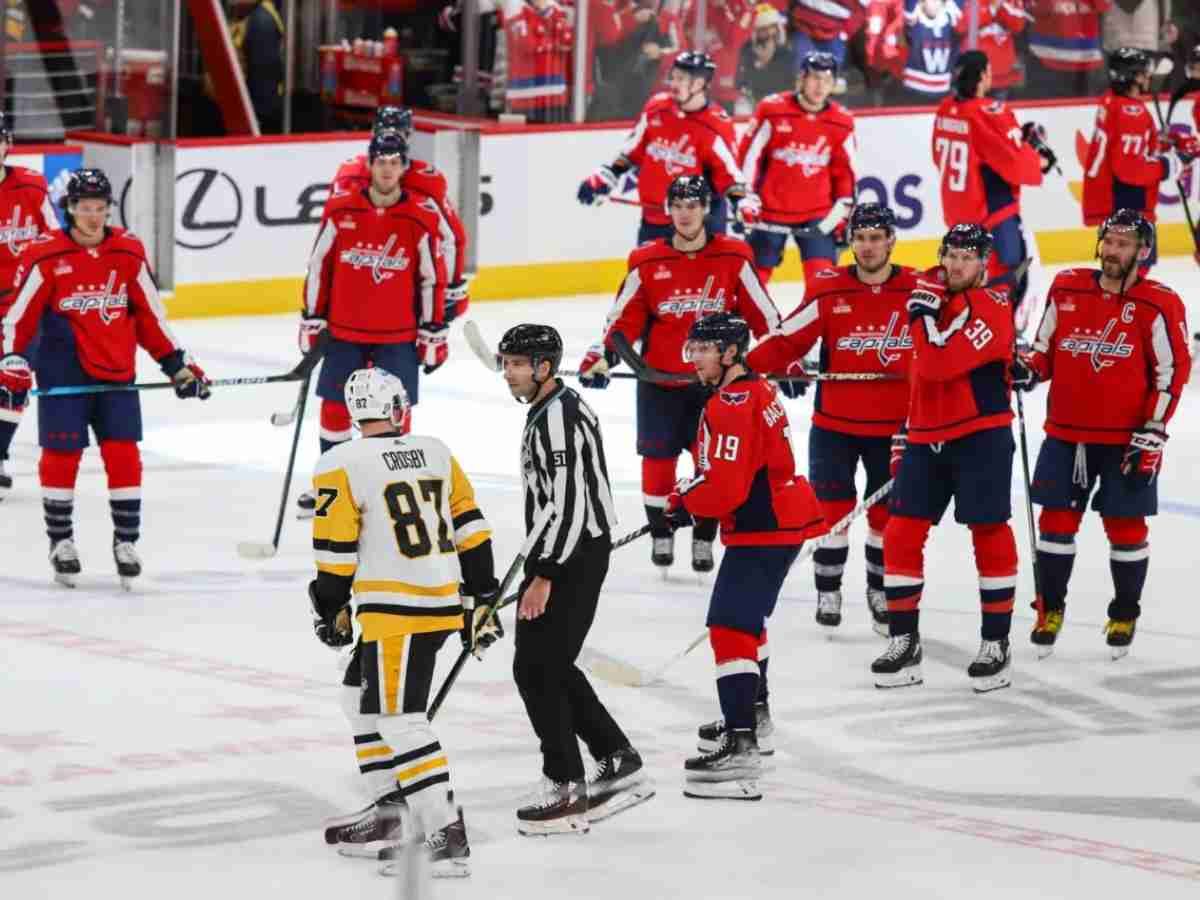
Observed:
{"x":393,"y":513}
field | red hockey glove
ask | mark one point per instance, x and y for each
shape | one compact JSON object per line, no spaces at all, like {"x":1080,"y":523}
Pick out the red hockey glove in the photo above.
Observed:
{"x":432,"y":349}
{"x":593,"y":370}
{"x":1186,"y":146}
{"x":1143,"y":456}
{"x":458,"y":301}
{"x":676,"y":513}
{"x":749,"y":210}
{"x":899,"y":445}
{"x":16,"y":380}
{"x":310,"y":329}
{"x":597,"y":186}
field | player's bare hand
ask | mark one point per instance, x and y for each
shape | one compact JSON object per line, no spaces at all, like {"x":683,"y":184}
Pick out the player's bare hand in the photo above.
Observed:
{"x":534,"y":600}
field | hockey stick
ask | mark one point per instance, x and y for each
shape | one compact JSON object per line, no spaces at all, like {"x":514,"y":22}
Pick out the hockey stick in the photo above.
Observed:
{"x":798,"y":231}
{"x":1037,"y":578}
{"x":539,"y":525}
{"x":250,"y":549}
{"x":1164,"y":124}
{"x":1188,"y":86}
{"x":282,"y":419}
{"x":616,"y":671}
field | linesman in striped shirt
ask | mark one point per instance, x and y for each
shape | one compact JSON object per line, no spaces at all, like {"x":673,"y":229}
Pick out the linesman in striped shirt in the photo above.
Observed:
{"x":563,"y":467}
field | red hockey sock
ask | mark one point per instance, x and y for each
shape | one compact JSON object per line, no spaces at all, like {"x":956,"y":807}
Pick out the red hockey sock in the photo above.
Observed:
{"x":335,"y":424}
{"x":904,"y":570}
{"x":996,"y":562}
{"x":123,"y":464}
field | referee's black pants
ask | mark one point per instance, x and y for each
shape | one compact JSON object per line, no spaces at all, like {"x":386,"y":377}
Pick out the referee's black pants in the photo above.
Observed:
{"x":558,"y":698}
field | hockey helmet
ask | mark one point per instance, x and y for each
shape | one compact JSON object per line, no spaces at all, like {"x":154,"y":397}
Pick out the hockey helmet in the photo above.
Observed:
{"x":1125,"y":221}
{"x":817,"y":61}
{"x":968,"y":237}
{"x":375,"y":394}
{"x":968,"y":71}
{"x":723,"y":329}
{"x":871,"y":215}
{"x":87,"y":184}
{"x":387,"y":142}
{"x":696,"y":64}
{"x":396,"y":118}
{"x":689,"y":187}
{"x":541,"y":343}
{"x":1125,"y":64}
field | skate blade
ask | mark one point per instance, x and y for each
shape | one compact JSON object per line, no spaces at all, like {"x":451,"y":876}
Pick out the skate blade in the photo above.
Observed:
{"x":991,"y":683}
{"x":127,"y":583}
{"x":766,"y":746}
{"x":880,"y":628}
{"x":377,"y":850}
{"x":564,"y":825}
{"x":903,"y":678}
{"x":66,"y":580}
{"x":447,"y":868}
{"x":829,"y":621}
{"x":621,"y":801}
{"x":743,"y":789}
{"x":1044,"y":650}
{"x":1119,"y":652}
{"x":723,"y":776}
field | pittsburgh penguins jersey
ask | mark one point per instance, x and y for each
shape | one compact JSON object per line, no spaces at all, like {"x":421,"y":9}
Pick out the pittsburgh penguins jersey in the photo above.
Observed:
{"x":395,"y":515}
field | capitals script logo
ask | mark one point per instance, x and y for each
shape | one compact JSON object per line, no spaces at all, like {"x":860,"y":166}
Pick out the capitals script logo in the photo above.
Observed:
{"x":866,"y":340}
{"x":381,"y":263}
{"x":1099,"y":346}
{"x":12,"y":232}
{"x":107,"y":302}
{"x":676,"y":158}
{"x":811,"y":158}
{"x":698,"y":302}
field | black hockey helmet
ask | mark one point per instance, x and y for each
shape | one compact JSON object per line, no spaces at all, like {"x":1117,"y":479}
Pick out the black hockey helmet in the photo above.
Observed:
{"x":871,"y":215}
{"x":696,"y":63}
{"x":689,"y":187}
{"x":397,"y":118}
{"x":541,"y":343}
{"x":723,"y":329}
{"x":968,"y":237}
{"x":387,"y":142}
{"x":1125,"y":64}
{"x":1128,"y":220}
{"x":968,"y":70}
{"x":818,"y":61}
{"x":6,"y":132}
{"x":87,"y":184}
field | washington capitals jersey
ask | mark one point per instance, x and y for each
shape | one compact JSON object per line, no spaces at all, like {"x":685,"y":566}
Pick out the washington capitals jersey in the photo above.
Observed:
{"x":862,"y":328}
{"x":25,"y":213}
{"x":1122,"y":169}
{"x":96,"y":303}
{"x":375,"y":272}
{"x":666,"y":290}
{"x":1115,"y":361}
{"x":1065,"y":34}
{"x":667,"y":142}
{"x":393,"y":515}
{"x":798,"y":162}
{"x":932,"y":46}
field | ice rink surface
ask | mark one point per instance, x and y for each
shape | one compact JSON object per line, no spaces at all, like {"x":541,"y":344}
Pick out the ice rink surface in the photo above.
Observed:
{"x":184,"y":740}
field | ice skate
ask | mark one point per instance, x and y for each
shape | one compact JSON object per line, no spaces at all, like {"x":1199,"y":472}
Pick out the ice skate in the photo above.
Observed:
{"x":129,"y":565}
{"x":730,"y":772}
{"x":368,"y":832}
{"x":619,"y":783}
{"x":877,"y":603}
{"x":447,"y":850}
{"x":5,"y":481}
{"x":1120,"y":636}
{"x":702,"y":555}
{"x":712,"y":734}
{"x":1045,"y":632}
{"x":556,"y":808}
{"x":662,"y":552}
{"x":306,"y":505}
{"x":900,"y":663}
{"x":829,"y":608}
{"x":64,"y":559}
{"x":992,"y":667}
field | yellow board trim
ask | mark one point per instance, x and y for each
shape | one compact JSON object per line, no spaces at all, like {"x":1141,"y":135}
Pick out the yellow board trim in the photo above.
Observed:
{"x":603,"y":276}
{"x":403,"y":587}
{"x":438,"y":762}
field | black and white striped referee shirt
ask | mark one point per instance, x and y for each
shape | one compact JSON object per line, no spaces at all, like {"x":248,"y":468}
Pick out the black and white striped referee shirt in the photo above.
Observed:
{"x":563,"y":466}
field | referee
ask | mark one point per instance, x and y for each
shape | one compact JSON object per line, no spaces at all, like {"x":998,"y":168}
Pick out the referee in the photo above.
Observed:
{"x":563,"y":467}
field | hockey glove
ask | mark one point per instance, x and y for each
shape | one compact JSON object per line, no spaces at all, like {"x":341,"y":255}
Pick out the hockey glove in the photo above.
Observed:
{"x":794,"y":387}
{"x":675,"y":512}
{"x":836,"y":215}
{"x":749,"y":210}
{"x":332,"y":631}
{"x":432,"y":348}
{"x":922,"y":303}
{"x":457,"y":300}
{"x":1143,"y":457}
{"x":1185,"y":144}
{"x":189,"y":379}
{"x":481,"y":626}
{"x":899,"y":445}
{"x":593,"y":370}
{"x":596,"y":188}
{"x":16,"y":380}
{"x":1024,"y":376}
{"x":310,"y":329}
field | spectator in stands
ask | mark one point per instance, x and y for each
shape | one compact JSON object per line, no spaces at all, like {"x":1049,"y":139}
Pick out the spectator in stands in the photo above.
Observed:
{"x":998,"y":22}
{"x":933,"y":42}
{"x":262,"y":55}
{"x":1064,"y":45}
{"x":539,"y":39}
{"x":883,"y":46}
{"x":1181,"y":34}
{"x":826,"y":25}
{"x":1132,"y":23}
{"x":765,"y":65}
{"x":729,"y":24}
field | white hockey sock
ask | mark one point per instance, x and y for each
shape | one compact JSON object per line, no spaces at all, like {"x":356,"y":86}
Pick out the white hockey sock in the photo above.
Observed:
{"x":374,"y":757}
{"x":421,"y":769}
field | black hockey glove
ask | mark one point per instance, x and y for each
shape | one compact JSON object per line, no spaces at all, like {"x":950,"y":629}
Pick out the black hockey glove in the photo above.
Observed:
{"x":922,"y":303}
{"x":1024,"y":376}
{"x":794,"y":387}
{"x":675,"y":512}
{"x":479,"y":631}
{"x":335,"y":630}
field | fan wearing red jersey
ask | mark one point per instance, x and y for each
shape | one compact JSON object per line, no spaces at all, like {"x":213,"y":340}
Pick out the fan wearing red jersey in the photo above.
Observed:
{"x":958,"y":446}
{"x":858,"y":314}
{"x":680,"y":132}
{"x":1112,"y":334}
{"x":376,"y":280}
{"x":422,"y":179}
{"x":1128,"y":158}
{"x":984,"y":157}
{"x":91,"y":293}
{"x":670,"y":284}
{"x":25,"y":214}
{"x":797,"y":155}
{"x":746,"y":477}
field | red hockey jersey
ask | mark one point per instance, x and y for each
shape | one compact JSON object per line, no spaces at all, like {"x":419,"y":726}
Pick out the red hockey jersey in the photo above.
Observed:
{"x":798,"y":162}
{"x":999,"y":20}
{"x":959,"y":374}
{"x":426,"y":180}
{"x":25,"y":213}
{"x":746,"y":472}
{"x":1066,"y":33}
{"x":1114,"y":361}
{"x":982,"y":161}
{"x":728,"y":26}
{"x":666,"y":142}
{"x":375,"y":272}
{"x":666,"y":290}
{"x":862,"y":328}
{"x":538,"y":44}
{"x":826,"y":20}
{"x":1123,"y":168}
{"x":99,"y":302}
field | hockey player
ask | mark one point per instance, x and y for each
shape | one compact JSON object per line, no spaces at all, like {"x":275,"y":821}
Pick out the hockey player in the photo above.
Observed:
{"x":958,"y":446}
{"x":678,"y":133}
{"x":25,"y":214}
{"x":376,"y":280}
{"x":395,"y":531}
{"x":984,"y":157}
{"x":1114,"y":335}
{"x":422,"y":179}
{"x":91,"y":292}
{"x":747,"y":479}
{"x":1128,"y":157}
{"x":564,"y":470}
{"x":797,"y":155}
{"x":858,"y":314}
{"x":671,"y":283}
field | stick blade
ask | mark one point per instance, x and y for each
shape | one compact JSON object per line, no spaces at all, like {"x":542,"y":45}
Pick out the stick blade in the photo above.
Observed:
{"x":279,"y":420}
{"x":615,"y":671}
{"x":479,"y":345}
{"x":252,"y":550}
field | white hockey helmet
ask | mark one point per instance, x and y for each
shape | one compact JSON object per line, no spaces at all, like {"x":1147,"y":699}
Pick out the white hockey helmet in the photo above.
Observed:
{"x":374,"y":394}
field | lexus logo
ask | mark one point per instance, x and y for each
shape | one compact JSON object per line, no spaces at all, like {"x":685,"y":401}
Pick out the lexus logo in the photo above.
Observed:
{"x":213,"y":209}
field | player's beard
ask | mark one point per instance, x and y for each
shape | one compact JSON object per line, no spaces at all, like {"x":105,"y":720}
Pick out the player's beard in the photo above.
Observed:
{"x":875,"y":269}
{"x":1113,"y":268}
